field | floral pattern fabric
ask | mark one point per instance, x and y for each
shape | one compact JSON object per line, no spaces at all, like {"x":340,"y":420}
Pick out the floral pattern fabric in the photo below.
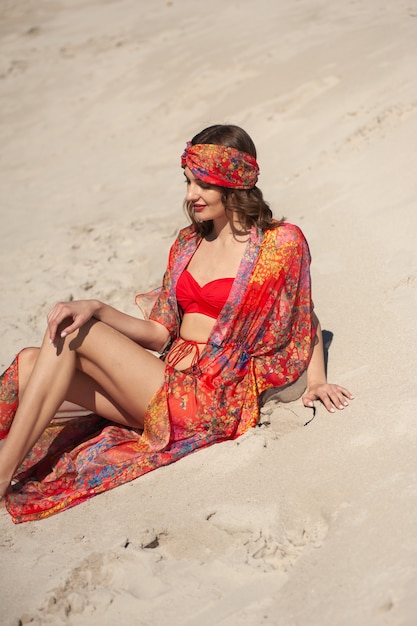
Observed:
{"x":221,"y":165}
{"x":261,"y":339}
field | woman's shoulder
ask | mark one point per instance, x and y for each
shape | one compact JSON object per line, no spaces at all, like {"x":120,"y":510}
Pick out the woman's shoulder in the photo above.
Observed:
{"x":289,"y":239}
{"x":186,"y":237}
{"x":187,"y":233}
{"x":289,"y":233}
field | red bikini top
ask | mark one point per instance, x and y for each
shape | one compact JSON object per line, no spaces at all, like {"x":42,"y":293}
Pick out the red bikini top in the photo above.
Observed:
{"x":208,"y":300}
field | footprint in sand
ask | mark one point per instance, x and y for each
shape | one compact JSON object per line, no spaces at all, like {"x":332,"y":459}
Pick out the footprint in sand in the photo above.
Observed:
{"x":269,"y":550}
{"x":101,"y":578}
{"x":275,"y":545}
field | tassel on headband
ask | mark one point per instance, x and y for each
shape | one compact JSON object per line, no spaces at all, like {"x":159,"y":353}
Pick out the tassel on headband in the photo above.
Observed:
{"x":221,"y":165}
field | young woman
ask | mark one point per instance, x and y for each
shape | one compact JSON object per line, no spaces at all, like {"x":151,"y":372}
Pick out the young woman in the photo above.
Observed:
{"x":233,"y":318}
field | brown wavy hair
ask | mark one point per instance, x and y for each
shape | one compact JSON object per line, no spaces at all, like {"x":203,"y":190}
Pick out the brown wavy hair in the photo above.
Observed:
{"x":248,"y":204}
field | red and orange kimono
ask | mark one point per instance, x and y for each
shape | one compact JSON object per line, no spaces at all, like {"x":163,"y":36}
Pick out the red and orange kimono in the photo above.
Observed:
{"x":261,"y":339}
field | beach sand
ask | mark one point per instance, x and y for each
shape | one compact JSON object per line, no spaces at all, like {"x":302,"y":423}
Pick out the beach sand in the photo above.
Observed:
{"x":289,"y":525}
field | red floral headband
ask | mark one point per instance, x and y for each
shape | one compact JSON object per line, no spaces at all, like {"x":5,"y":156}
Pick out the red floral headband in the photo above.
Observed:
{"x":221,"y":165}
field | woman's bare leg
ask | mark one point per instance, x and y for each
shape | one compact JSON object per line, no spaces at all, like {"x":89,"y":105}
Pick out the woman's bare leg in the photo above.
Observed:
{"x":85,"y":395}
{"x":95,"y":367}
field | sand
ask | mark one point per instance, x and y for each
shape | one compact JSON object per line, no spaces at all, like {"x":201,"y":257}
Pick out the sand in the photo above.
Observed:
{"x":290,"y":525}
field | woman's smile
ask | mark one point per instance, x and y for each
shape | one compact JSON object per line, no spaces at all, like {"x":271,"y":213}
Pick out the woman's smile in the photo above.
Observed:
{"x":204,"y":198}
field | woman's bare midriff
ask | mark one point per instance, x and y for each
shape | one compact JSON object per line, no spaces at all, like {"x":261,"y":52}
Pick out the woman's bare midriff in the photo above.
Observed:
{"x":195,"y":327}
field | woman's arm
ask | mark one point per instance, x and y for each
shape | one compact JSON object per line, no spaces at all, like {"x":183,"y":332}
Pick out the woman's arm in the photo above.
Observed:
{"x":69,"y":316}
{"x":318,"y":388}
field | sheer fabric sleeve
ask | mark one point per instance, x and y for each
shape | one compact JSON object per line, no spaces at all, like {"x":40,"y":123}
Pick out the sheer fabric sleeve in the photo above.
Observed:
{"x":160,"y":304}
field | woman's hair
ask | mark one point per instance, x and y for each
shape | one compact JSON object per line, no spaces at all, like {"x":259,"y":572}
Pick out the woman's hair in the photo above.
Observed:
{"x":248,"y":204}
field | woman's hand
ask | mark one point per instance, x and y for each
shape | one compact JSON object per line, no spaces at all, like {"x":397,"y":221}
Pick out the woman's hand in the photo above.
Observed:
{"x":75,"y":314}
{"x":329,"y":394}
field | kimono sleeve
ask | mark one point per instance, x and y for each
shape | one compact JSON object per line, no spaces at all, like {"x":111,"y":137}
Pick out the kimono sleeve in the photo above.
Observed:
{"x":160,"y":305}
{"x":290,"y":328}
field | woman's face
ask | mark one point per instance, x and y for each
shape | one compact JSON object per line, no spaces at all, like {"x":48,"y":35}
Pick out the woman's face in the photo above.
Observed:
{"x":207,"y":202}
